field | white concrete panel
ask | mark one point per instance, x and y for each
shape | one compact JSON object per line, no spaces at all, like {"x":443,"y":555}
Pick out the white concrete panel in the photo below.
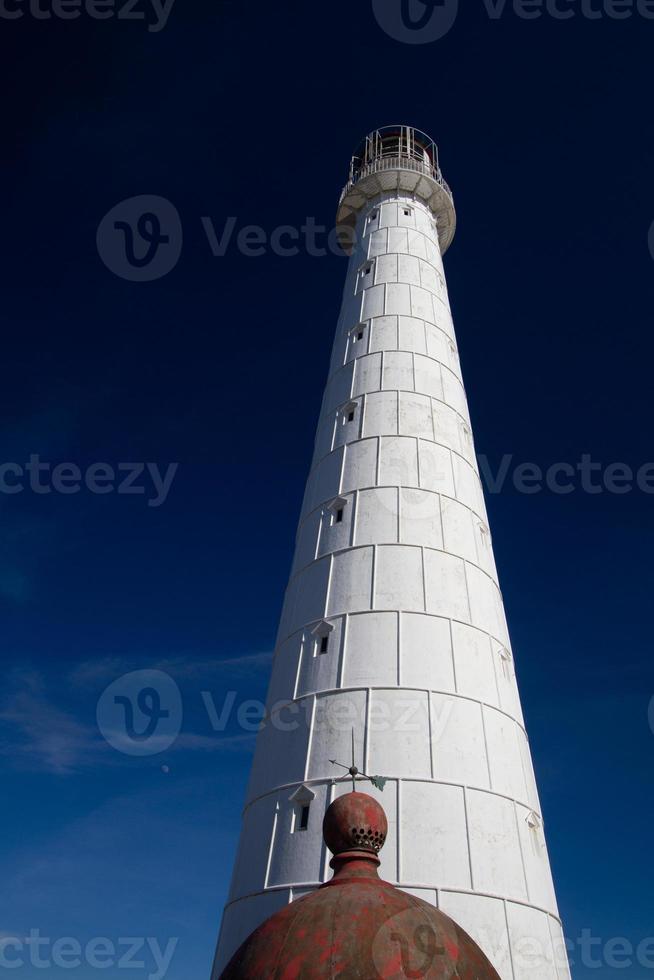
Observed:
{"x":531,"y":942}
{"x":399,"y":734}
{"x":397,"y":240}
{"x":468,"y":486}
{"x":336,"y":535}
{"x":435,"y":468}
{"x":381,"y":414}
{"x":454,"y":394}
{"x":428,"y":376}
{"x":324,"y":437}
{"x":417,"y":244}
{"x":485,"y":557}
{"x":458,"y":741}
{"x":351,"y":584}
{"x":372,"y":303}
{"x":506,"y":682}
{"x":412,"y":335}
{"x":339,"y":389}
{"x":421,"y":305}
{"x":280,"y":757}
{"x":502,"y":739}
{"x":357,"y":342}
{"x":434,"y":844}
{"x":378,"y":242}
{"x":252,"y":861}
{"x":371,"y":650}
{"x":360,"y":466}
{"x":420,"y":521}
{"x":415,"y":416}
{"x":484,"y":920}
{"x":398,"y":371}
{"x":409,"y":269}
{"x":485,"y":603}
{"x":530,"y":779}
{"x":377,"y":516}
{"x":388,"y":216}
{"x":326,"y":481}
{"x":473,"y":659}
{"x":399,"y":462}
{"x":367,"y":375}
{"x":537,"y":864}
{"x":386,"y":269}
{"x":426,"y":652}
{"x":437,"y":344}
{"x":320,"y":671}
{"x":445,"y":586}
{"x":311,"y":593}
{"x":298,"y":855}
{"x":383,"y":333}
{"x":307,"y":541}
{"x":398,"y":299}
{"x":458,"y":530}
{"x":447,"y":427}
{"x":560,"y":950}
{"x":429,"y":278}
{"x":284,"y":670}
{"x":348,"y":423}
{"x":335,"y":717}
{"x":495,"y":846}
{"x":398,"y":578}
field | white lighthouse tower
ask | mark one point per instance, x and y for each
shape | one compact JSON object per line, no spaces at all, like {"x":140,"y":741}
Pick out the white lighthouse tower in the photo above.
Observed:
{"x":393,"y":624}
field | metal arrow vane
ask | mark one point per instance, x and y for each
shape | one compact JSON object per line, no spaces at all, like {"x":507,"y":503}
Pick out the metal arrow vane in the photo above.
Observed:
{"x":377,"y":781}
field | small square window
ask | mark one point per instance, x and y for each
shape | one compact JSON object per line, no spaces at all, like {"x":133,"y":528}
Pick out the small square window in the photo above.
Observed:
{"x":350,"y":415}
{"x":360,"y":335}
{"x":407,"y":212}
{"x":368,"y":269}
{"x":374,"y":215}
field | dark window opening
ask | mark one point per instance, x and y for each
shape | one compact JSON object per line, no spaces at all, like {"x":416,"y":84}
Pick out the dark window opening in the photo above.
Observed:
{"x":304,"y":817}
{"x":350,"y":416}
{"x":360,"y":335}
{"x":367,"y":270}
{"x":324,"y":643}
{"x":339,"y":515}
{"x":407,"y":212}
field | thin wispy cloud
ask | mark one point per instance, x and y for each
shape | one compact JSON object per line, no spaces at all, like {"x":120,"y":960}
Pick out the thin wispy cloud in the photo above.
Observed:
{"x":39,"y":733}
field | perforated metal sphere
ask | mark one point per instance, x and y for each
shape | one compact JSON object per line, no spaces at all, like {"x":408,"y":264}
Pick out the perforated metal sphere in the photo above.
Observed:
{"x":355,"y":822}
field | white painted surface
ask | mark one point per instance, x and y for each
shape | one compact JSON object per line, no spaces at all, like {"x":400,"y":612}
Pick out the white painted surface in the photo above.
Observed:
{"x":419,"y":659}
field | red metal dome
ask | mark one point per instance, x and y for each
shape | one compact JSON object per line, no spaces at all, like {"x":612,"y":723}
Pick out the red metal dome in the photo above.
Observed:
{"x":356,"y":926}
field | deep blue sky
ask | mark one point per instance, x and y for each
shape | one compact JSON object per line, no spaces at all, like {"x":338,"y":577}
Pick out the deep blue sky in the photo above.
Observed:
{"x":252,"y":110}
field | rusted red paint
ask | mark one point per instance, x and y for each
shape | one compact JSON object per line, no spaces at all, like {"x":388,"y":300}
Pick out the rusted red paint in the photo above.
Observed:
{"x":356,"y":926}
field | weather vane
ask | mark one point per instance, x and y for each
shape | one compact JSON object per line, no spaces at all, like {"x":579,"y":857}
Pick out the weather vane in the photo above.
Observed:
{"x":377,"y":781}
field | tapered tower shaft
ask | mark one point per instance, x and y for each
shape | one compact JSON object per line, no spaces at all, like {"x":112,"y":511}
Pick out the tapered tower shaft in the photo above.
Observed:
{"x":393,"y":623}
